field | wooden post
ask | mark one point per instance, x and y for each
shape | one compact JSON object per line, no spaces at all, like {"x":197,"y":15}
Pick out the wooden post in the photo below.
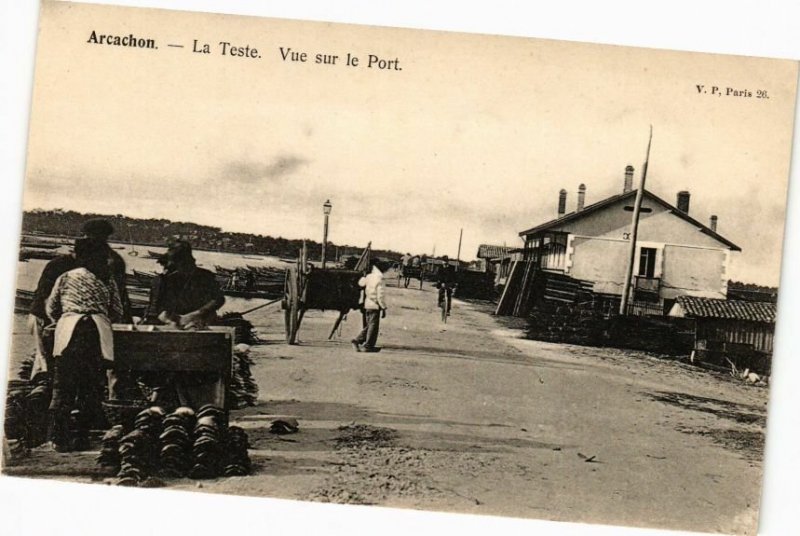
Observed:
{"x":324,"y":242}
{"x":458,"y":255}
{"x":626,"y":289}
{"x":337,"y":324}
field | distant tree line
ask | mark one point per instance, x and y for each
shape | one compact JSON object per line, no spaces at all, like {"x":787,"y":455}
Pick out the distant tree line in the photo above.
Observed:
{"x":751,"y":292}
{"x":159,"y":232}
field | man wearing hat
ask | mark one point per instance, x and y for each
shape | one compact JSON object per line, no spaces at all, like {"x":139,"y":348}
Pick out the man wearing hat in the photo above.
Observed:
{"x":186,"y":297}
{"x":98,"y":230}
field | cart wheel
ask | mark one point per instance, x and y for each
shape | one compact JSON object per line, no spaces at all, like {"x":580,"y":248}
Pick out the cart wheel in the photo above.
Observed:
{"x":291,"y":304}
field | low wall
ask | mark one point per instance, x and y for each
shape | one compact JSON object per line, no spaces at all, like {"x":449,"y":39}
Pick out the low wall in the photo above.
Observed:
{"x":590,"y":324}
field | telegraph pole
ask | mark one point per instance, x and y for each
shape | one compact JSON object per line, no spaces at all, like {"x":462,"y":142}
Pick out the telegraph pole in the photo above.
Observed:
{"x":626,"y":289}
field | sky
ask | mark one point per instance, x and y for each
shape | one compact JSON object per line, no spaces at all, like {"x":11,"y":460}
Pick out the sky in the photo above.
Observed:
{"x":475,"y":132}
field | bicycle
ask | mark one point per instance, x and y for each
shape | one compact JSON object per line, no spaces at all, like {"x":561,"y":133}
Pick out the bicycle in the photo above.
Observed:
{"x":445,"y":300}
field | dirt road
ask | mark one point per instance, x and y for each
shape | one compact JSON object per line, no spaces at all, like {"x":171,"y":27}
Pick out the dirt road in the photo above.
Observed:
{"x":466,"y":417}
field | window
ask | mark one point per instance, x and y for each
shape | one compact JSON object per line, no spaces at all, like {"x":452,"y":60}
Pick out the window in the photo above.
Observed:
{"x":647,"y":262}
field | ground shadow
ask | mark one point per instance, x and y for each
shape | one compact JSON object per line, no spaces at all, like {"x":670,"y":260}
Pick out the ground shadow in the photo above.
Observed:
{"x":740,"y":413}
{"x":509,"y":356}
{"x":749,"y":443}
{"x":493,"y":436}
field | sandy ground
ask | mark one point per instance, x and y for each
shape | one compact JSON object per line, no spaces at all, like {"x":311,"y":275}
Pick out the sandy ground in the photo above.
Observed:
{"x":468,"y":417}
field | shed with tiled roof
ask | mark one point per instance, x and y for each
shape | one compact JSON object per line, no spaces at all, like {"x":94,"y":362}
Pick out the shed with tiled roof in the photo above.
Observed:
{"x":692,"y":307}
{"x":488,"y":251}
{"x":730,"y":331}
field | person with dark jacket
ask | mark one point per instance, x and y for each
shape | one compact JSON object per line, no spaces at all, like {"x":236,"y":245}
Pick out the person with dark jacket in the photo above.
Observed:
{"x":185,"y":297}
{"x":446,"y":282}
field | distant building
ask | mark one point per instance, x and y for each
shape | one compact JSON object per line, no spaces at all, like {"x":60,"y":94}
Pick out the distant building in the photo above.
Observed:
{"x":487,"y":253}
{"x":676,"y":255}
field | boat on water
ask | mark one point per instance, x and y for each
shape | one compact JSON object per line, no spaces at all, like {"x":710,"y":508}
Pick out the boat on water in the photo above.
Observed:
{"x":132,"y":252}
{"x":265,"y":270}
{"x":144,"y":279}
{"x":39,"y":245}
{"x":45,"y":254}
{"x":251,"y":294}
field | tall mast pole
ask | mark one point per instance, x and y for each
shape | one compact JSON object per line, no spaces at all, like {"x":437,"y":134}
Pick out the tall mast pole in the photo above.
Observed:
{"x":458,"y":255}
{"x":626,"y":289}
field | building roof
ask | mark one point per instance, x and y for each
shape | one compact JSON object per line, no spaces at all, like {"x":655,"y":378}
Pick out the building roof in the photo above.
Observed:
{"x":572,"y":216}
{"x":726,"y":309}
{"x":487,"y":251}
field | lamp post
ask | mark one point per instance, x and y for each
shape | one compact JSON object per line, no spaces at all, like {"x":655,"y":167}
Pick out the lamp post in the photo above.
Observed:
{"x":326,"y":209}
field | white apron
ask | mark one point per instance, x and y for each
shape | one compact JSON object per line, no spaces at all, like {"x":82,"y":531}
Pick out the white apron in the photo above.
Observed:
{"x":66,"y":325}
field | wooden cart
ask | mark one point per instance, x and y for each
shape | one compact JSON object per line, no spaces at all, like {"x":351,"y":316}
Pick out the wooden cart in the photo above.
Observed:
{"x":309,"y":287}
{"x":406,"y":273}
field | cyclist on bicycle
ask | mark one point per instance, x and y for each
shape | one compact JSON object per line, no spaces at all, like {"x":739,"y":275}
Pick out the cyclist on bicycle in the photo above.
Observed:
{"x":446,"y":282}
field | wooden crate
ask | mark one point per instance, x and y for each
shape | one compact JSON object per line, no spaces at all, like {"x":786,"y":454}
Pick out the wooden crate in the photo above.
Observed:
{"x":157,"y":348}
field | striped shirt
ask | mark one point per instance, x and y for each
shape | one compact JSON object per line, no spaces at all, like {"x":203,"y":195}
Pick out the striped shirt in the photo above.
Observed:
{"x":79,"y":291}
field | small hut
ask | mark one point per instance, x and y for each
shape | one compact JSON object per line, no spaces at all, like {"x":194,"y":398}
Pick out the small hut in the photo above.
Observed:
{"x":741,"y":332}
{"x":486,"y":253}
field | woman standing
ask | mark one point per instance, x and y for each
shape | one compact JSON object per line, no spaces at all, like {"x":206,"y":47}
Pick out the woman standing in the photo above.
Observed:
{"x":83,"y":303}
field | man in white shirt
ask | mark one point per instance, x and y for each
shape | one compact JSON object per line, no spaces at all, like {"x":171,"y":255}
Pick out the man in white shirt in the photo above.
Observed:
{"x":374,"y":309}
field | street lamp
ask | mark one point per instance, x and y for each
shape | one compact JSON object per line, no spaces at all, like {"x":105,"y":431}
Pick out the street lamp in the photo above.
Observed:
{"x":326,"y":209}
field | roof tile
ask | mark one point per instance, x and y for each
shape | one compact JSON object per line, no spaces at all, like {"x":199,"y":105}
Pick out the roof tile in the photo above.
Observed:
{"x":728,"y":309}
{"x":487,"y":251}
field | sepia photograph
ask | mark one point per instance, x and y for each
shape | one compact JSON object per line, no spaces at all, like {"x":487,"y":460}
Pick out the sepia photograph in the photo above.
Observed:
{"x":388,"y":269}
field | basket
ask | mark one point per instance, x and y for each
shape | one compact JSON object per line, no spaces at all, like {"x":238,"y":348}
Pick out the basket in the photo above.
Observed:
{"x":123,"y":411}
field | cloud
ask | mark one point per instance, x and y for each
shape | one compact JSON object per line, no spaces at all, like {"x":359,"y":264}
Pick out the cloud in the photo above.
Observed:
{"x":255,"y":172}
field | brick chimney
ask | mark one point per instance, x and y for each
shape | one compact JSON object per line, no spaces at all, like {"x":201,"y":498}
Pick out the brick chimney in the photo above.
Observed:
{"x":713,"y":223}
{"x":562,"y":202}
{"x":581,"y":197}
{"x":683,"y":201}
{"x":628,"y":179}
